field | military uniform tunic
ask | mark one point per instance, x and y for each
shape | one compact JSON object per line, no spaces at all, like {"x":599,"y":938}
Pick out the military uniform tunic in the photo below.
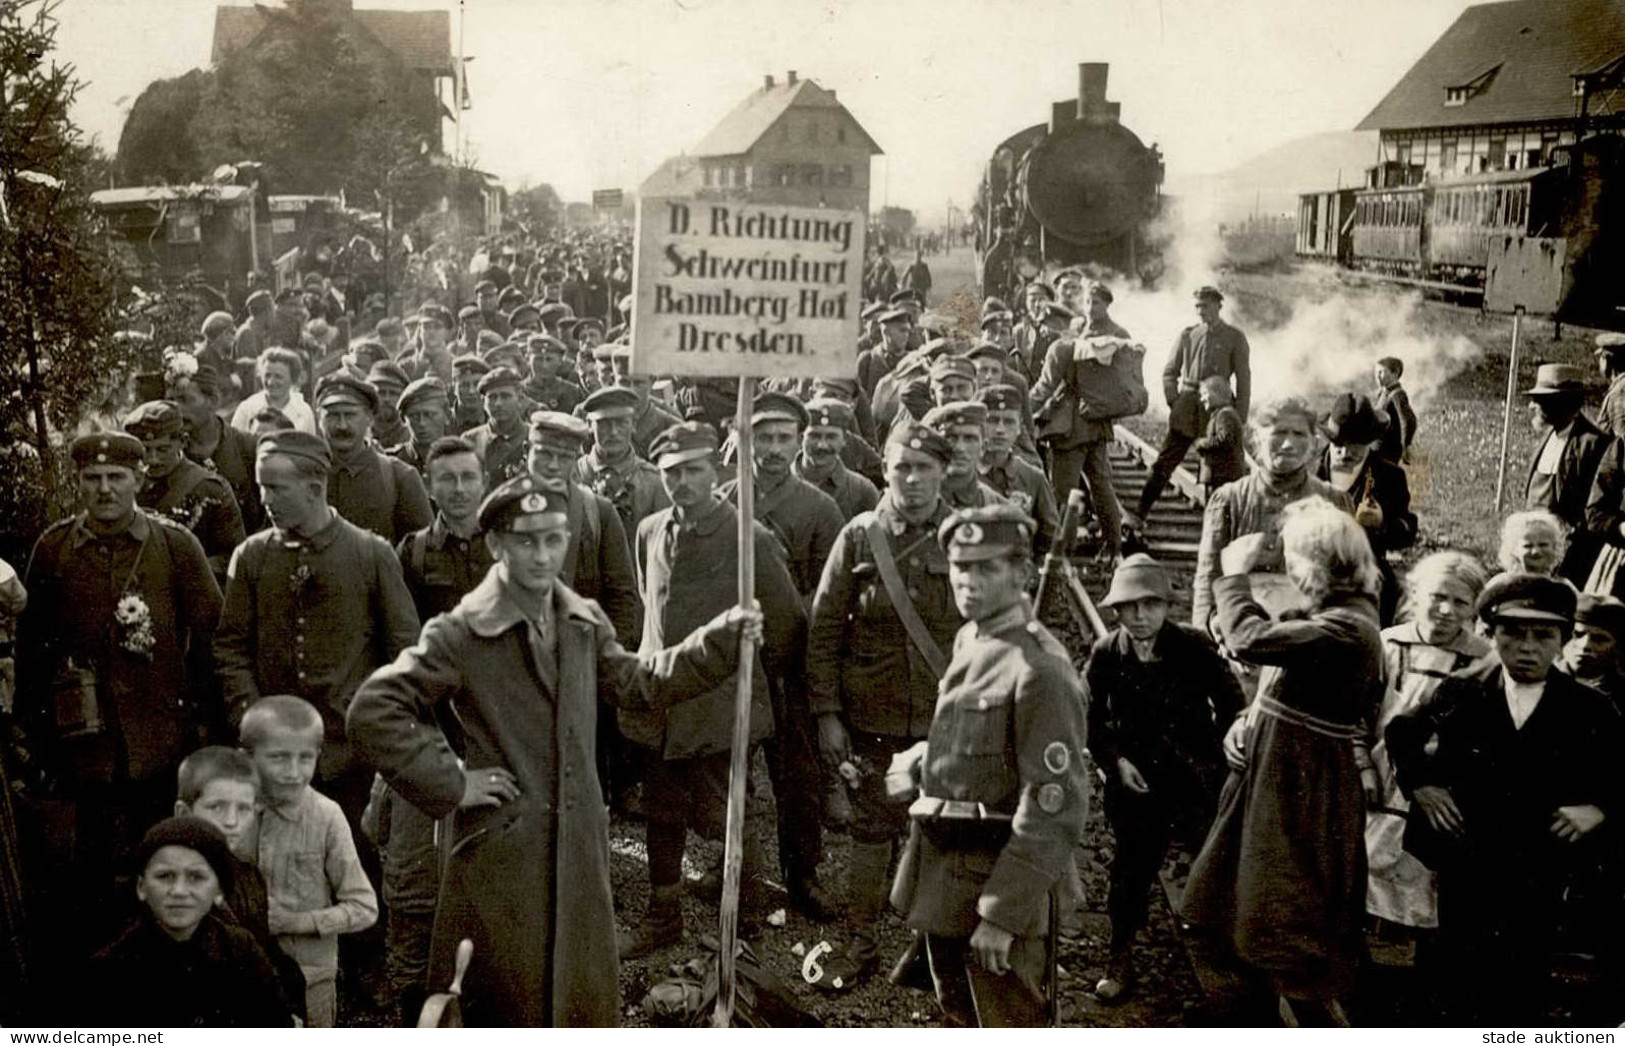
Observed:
{"x":852,"y":493}
{"x":632,"y":485}
{"x":233,"y":459}
{"x":1008,"y":734}
{"x":1027,"y":488}
{"x":553,"y":394}
{"x":803,"y":518}
{"x":440,"y":567}
{"x":203,"y":503}
{"x":390,"y":505}
{"x":503,"y":454}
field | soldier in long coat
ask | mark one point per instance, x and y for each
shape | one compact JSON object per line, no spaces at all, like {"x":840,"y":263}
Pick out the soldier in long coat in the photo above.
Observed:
{"x":522,"y":664}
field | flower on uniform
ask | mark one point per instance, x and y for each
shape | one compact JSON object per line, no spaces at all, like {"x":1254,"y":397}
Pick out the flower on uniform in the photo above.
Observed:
{"x":179,"y":364}
{"x":135,"y":619}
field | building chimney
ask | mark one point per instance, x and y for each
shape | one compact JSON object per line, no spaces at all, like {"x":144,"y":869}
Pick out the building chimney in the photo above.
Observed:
{"x":791,"y":79}
{"x":767,"y":82}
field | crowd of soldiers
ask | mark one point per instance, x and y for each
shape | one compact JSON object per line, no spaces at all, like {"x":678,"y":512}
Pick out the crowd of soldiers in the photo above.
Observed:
{"x":483,"y":576}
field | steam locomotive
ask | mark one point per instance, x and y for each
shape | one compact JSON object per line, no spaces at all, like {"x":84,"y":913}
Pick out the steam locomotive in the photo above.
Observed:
{"x":1080,"y":190}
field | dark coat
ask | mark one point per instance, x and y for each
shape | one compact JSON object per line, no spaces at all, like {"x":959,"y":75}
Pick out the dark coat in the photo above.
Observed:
{"x":152,"y":704}
{"x":529,"y":881}
{"x":598,"y":565}
{"x":1506,"y":781}
{"x":1570,"y":490}
{"x":380,"y":493}
{"x":690,"y":574}
{"x":202,"y":502}
{"x":803,"y":518}
{"x":1605,"y":514}
{"x":220,"y":978}
{"x":233,"y":459}
{"x":851,"y":492}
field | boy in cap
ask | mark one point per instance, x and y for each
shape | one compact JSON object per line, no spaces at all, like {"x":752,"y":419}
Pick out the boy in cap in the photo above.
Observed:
{"x":1376,"y":486}
{"x":181,"y":489}
{"x":1022,"y":484}
{"x":881,"y":620}
{"x":501,"y":442}
{"x":179,"y":965}
{"x":1223,"y":449}
{"x":522,"y":664}
{"x":369,"y":488}
{"x":989,"y":869}
{"x":1160,"y":701}
{"x":612,"y":468}
{"x":830,"y":423}
{"x":1596,"y":653}
{"x":1394,"y":403}
{"x":1509,"y":767}
{"x":687,"y":556}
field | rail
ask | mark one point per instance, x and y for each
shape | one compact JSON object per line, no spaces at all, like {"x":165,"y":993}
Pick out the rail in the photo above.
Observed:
{"x":1182,"y":479}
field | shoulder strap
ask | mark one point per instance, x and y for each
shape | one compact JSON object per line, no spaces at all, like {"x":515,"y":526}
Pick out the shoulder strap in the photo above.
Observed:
{"x":419,"y":553}
{"x":917,"y":632}
{"x":389,"y":480}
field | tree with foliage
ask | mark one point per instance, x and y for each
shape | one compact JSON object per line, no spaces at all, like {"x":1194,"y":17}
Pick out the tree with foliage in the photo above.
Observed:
{"x":156,"y":146}
{"x":539,"y":207}
{"x":57,"y":305}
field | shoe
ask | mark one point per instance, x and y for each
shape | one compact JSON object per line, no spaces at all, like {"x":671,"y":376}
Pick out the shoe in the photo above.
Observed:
{"x":662,"y":925}
{"x":1132,"y":523}
{"x":810,"y":899}
{"x":1119,"y":980}
{"x":844,"y":972}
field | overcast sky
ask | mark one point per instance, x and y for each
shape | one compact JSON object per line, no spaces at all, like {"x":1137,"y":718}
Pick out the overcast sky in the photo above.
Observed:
{"x":588,"y":94}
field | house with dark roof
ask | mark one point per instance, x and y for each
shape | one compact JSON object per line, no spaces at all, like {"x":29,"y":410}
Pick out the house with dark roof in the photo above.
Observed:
{"x":1504,"y":86}
{"x":790,"y":142}
{"x":420,"y":41}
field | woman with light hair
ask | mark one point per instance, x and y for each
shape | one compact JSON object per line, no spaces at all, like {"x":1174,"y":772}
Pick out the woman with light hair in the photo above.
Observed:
{"x":279,"y":371}
{"x":1435,"y":640}
{"x":1532,"y":542}
{"x":1281,"y":880}
{"x":1283,"y":440}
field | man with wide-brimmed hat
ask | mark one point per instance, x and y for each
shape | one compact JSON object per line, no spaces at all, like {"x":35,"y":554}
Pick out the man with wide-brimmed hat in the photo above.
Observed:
{"x":1377,"y":486}
{"x":113,"y":682}
{"x":182,"y":490}
{"x":1565,"y":462}
{"x":1160,"y":701}
{"x":1511,"y":769}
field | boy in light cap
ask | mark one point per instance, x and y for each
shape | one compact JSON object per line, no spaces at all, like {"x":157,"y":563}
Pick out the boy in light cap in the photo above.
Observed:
{"x":989,"y":870}
{"x":1160,"y":700}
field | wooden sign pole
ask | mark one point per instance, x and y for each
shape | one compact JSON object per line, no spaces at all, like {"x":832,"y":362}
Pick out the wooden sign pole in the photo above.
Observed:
{"x":734,"y":845}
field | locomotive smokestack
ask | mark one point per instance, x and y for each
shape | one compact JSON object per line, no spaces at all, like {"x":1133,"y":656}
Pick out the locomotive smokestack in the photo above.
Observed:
{"x":1092,"y":104}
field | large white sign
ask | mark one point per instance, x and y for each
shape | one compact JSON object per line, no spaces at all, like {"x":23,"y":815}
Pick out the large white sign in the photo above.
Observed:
{"x":726,"y":289}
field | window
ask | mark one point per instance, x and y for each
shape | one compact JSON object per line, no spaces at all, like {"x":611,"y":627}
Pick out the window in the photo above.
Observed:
{"x":812,"y":174}
{"x":840,"y":175}
{"x":1455,"y":96}
{"x":1447,"y":155}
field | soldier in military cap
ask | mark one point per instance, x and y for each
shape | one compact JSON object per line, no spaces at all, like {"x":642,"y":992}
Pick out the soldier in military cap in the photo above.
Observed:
{"x":1610,"y":354}
{"x":830,"y":423}
{"x":547,"y":387}
{"x":858,"y":453}
{"x":598,"y":563}
{"x":1031,"y":336}
{"x":553,"y":313}
{"x":426,"y":408}
{"x":612,"y":467}
{"x":214,"y":444}
{"x":501,"y":442}
{"x":688,"y":555}
{"x":445,"y":560}
{"x":114,"y":681}
{"x":367,"y":487}
{"x":961,"y":424}
{"x":524,"y":319}
{"x":470,"y":324}
{"x":432,"y":355}
{"x":510,"y":354}
{"x":182,"y":490}
{"x":467,"y":409}
{"x":869,"y":326}
{"x":522,"y":664}
{"x":388,"y":427}
{"x":589,"y":333}
{"x":314,"y":604}
{"x":1021,"y":483}
{"x":989,"y":869}
{"x":896,"y":328}
{"x":491,"y":318}
{"x":651,"y":419}
{"x":254,"y":336}
{"x":881,"y":620}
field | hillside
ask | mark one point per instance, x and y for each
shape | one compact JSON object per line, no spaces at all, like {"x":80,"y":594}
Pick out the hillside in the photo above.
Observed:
{"x":1270,"y":182}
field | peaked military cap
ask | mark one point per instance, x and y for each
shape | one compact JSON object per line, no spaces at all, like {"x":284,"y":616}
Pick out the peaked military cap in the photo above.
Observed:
{"x":256,"y":299}
{"x":554,"y":428}
{"x":1208,"y":292}
{"x":342,"y":386}
{"x":387,"y":375}
{"x":1001,"y":397}
{"x":990,"y":319}
{"x":546,"y":343}
{"x":523,"y":505}
{"x":422,"y":390}
{"x":830,"y":413}
{"x":895,"y":315}
{"x":685,"y":441}
{"x":108,"y":448}
{"x":985,"y":350}
{"x":555,"y":311}
{"x":488,"y":339}
{"x":907,"y":295}
{"x":914,"y":436}
{"x":498,"y":378}
{"x":295,"y":444}
{"x":969,"y":412}
{"x":154,"y":419}
{"x":1527,"y":597}
{"x":611,"y":401}
{"x":469,"y":364}
{"x":986,"y":532}
{"x":1054,"y":310}
{"x":589,"y":321}
{"x":873,"y":309}
{"x":946,"y":367}
{"x":777,"y":406}
{"x":524,"y":313}
{"x":469,"y":312}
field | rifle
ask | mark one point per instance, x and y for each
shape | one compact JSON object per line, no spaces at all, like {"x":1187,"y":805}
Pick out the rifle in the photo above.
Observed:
{"x":1055,"y":558}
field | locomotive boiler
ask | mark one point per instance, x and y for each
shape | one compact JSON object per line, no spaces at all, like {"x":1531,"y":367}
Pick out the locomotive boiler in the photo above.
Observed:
{"x":1080,"y":190}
